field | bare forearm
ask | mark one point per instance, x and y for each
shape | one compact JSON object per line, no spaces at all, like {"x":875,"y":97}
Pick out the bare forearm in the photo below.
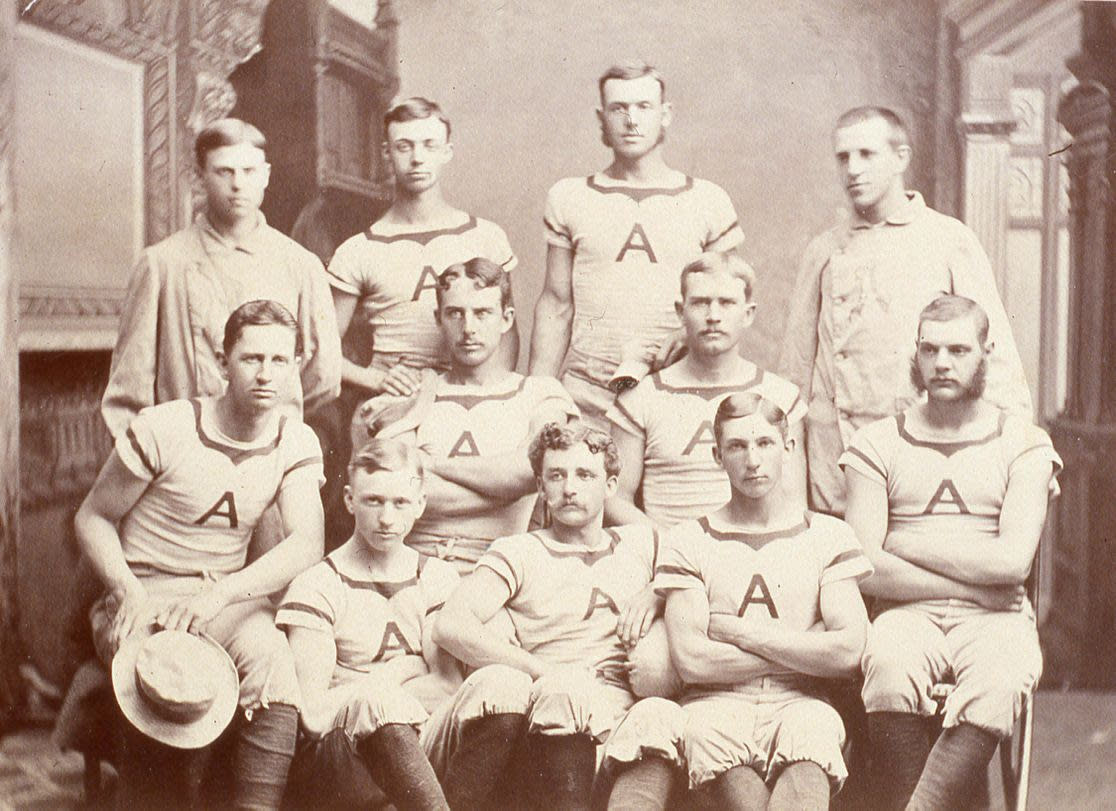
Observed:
{"x":551,"y":337}
{"x":444,"y":497}
{"x":100,"y":542}
{"x":620,"y":511}
{"x":978,"y":562}
{"x":472,"y":643}
{"x":365,"y":377}
{"x":505,"y":477}
{"x":273,"y":570}
{"x":824,"y":653}
{"x":709,"y":662}
{"x":898,"y":579}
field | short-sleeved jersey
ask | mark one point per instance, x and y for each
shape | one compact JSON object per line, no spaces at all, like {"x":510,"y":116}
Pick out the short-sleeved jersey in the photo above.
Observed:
{"x":675,"y":420}
{"x":770,"y":578}
{"x":565,"y":600}
{"x":946,"y":488}
{"x":630,"y":245}
{"x":371,"y":621}
{"x":395,"y":273}
{"x":206,"y":490}
{"x":467,"y":420}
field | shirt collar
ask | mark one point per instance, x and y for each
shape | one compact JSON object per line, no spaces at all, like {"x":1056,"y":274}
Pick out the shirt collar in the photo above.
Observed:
{"x":906,"y":214}
{"x":250,"y":243}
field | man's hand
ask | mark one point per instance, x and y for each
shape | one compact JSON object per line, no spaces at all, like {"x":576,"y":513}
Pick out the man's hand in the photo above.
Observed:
{"x":400,"y":380}
{"x":670,"y":350}
{"x":192,"y":614}
{"x":637,"y":616}
{"x":136,"y":611}
{"x":1000,"y":598}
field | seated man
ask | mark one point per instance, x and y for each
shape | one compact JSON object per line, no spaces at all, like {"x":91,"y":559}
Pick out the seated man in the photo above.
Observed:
{"x":473,"y":422}
{"x":949,"y":500}
{"x":167,"y":525}
{"x":663,"y":427}
{"x":762,"y":608}
{"x":565,"y":589}
{"x":359,"y":625}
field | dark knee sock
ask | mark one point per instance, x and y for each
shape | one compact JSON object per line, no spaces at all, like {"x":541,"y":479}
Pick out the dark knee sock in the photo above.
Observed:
{"x":739,"y":787}
{"x":900,"y":745}
{"x":956,"y":766}
{"x":481,"y":759}
{"x":645,"y":784}
{"x":262,"y":758}
{"x":399,"y":766}
{"x":558,"y":771}
{"x":802,"y":786}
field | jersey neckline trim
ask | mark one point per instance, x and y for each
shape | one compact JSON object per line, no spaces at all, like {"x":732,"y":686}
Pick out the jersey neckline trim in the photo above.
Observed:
{"x":591,"y":556}
{"x":422,"y":237}
{"x":468,"y":401}
{"x":708,"y":392}
{"x":637,"y":193}
{"x":947,"y":448}
{"x":236,"y":455}
{"x":756,"y":540}
{"x":385,"y":588}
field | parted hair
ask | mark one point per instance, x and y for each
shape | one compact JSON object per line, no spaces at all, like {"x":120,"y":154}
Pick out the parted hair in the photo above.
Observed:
{"x":634,"y":69}
{"x":712,"y":262}
{"x":900,"y":134}
{"x":415,"y":109}
{"x":392,"y":455}
{"x":259,"y":313}
{"x":736,"y":406}
{"x":950,"y":308}
{"x":484,"y":272}
{"x":226,"y":132}
{"x":555,"y":436}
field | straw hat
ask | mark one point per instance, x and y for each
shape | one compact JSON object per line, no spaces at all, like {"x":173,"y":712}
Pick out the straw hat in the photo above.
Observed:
{"x":175,"y":687}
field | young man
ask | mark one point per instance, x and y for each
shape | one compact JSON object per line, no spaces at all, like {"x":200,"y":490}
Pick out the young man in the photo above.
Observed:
{"x":474,"y":422}
{"x":615,"y":243}
{"x":167,"y":525}
{"x":184,"y":288}
{"x":762,"y":607}
{"x":359,"y":625}
{"x":577,"y":596}
{"x":663,"y":428}
{"x":391,"y":270}
{"x":949,"y":499}
{"x":858,"y":294}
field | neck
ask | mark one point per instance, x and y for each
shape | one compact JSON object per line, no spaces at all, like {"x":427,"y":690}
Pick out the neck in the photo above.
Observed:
{"x":587,"y":535}
{"x":650,"y":169}
{"x":420,"y":208}
{"x":885,"y":207}
{"x":379,"y":560}
{"x":483,"y":374}
{"x":243,"y":424}
{"x":952,"y":414}
{"x":236,"y":230}
{"x":714,"y":368}
{"x":770,"y":511}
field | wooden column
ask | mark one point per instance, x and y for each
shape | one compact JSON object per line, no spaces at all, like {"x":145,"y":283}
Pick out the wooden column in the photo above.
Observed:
{"x":1080,"y":646}
{"x":10,"y":653}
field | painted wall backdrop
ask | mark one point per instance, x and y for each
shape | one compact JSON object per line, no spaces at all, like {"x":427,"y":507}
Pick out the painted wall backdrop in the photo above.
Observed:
{"x":755,"y":85}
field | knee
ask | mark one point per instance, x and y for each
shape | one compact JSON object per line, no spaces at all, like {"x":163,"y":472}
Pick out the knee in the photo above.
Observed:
{"x":377,"y":705}
{"x":895,"y":669}
{"x":267,"y":669}
{"x":654,"y":726}
{"x":497,"y":689}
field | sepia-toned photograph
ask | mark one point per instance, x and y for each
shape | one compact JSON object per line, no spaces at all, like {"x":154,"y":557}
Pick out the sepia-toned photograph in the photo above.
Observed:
{"x":513,"y":404}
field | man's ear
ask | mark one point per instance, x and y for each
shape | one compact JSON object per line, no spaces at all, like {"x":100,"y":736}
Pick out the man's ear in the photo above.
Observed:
{"x":668,"y":113}
{"x":678,"y":308}
{"x":421,"y":505}
{"x":789,"y":444}
{"x":223,"y":362}
{"x":349,"y":498}
{"x":449,"y":151}
{"x":611,"y":483}
{"x":903,"y":153}
{"x":989,"y":345}
{"x":749,"y":313}
{"x":509,"y":319}
{"x":717,"y":456}
{"x":267,"y":174}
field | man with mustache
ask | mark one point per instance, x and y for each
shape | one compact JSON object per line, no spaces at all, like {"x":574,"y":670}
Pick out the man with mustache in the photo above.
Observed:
{"x":474,"y":421}
{"x":948,"y":499}
{"x":859,"y":290}
{"x":616,"y":241}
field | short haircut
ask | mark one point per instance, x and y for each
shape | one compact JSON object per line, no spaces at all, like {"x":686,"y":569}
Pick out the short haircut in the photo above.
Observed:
{"x":950,"y":308}
{"x":415,"y":108}
{"x":484,"y":272}
{"x":900,"y":135}
{"x":391,"y":455}
{"x":226,"y":132}
{"x":557,"y":437}
{"x":259,"y":313}
{"x":627,"y":71}
{"x":745,"y":404}
{"x":728,"y":262}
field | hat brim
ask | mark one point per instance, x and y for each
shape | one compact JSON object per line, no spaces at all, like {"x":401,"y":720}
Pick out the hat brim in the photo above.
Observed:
{"x":193,"y":734}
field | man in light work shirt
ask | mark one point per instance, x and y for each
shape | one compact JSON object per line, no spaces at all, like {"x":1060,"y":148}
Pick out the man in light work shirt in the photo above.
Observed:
{"x":858,"y":294}
{"x":184,"y":288}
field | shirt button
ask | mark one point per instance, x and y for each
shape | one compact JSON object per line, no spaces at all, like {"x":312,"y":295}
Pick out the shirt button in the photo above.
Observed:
{"x":841,"y":355}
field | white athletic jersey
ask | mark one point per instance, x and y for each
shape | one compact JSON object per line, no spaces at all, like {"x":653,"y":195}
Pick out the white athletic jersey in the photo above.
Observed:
{"x":768,"y":578}
{"x":467,"y":420}
{"x":675,"y":420}
{"x":946,"y":488}
{"x":371,"y":621}
{"x":395,"y":274}
{"x":566,"y":599}
{"x":206,"y":490}
{"x":630,"y":245}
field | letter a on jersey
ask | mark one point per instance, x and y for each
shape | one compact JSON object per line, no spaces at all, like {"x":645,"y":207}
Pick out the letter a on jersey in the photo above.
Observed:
{"x":598,"y":599}
{"x":393,"y":640}
{"x":428,"y":280}
{"x":464,"y":446}
{"x":637,"y":241}
{"x":706,"y":428}
{"x":229,"y":513}
{"x":947,"y":486}
{"x":758,"y":584}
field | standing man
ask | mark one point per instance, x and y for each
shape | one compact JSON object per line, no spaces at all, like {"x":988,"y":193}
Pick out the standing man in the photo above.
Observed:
{"x":167,"y":525}
{"x":474,"y":422}
{"x":948,"y":499}
{"x":616,"y":242}
{"x":858,"y":294}
{"x":184,"y":288}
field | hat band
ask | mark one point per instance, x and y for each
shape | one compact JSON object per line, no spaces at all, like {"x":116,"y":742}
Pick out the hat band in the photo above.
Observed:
{"x":179,"y":713}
